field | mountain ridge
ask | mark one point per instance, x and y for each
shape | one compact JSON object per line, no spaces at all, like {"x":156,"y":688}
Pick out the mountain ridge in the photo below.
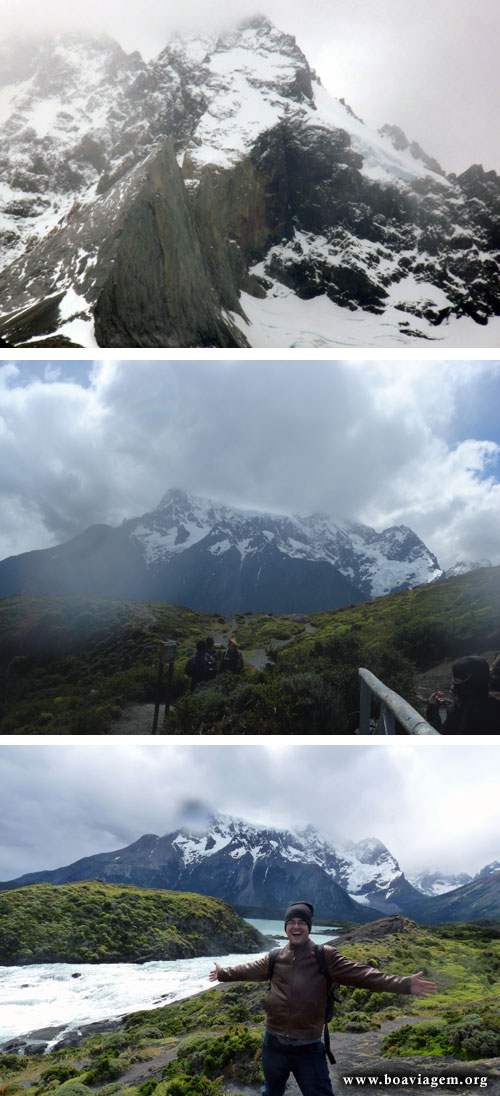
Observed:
{"x":254,"y":866}
{"x":211,"y":556}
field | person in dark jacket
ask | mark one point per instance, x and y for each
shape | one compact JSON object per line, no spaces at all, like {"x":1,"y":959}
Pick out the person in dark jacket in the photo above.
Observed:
{"x":296,"y":1004}
{"x":472,"y":710}
{"x":197,"y":667}
{"x":232,"y":659}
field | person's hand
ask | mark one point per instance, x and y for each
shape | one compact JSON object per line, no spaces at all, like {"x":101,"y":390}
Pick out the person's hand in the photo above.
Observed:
{"x":439,"y":699}
{"x":214,"y":974}
{"x":420,"y":987}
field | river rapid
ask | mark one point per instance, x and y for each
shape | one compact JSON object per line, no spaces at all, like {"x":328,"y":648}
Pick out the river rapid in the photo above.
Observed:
{"x":69,"y":995}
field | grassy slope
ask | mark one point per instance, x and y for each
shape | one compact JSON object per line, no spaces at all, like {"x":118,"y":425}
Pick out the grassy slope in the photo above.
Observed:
{"x":467,"y":608}
{"x":70,"y":665}
{"x":102,"y":922}
{"x":219,"y":1032}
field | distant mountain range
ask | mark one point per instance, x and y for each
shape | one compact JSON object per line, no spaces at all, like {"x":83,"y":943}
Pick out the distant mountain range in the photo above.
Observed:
{"x":259,"y":869}
{"x":218,"y":196}
{"x":212,"y":557}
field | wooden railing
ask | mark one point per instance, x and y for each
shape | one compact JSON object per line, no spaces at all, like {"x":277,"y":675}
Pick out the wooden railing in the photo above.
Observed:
{"x":395,"y":713}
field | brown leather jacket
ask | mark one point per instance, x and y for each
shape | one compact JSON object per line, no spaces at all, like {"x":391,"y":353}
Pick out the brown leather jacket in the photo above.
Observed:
{"x":296,"y":1003}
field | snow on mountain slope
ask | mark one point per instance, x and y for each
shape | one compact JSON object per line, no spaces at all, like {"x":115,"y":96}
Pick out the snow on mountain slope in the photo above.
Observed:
{"x":282,"y":319}
{"x":366,"y":870}
{"x":253,"y":77}
{"x":375,"y":563}
{"x":360,"y":867}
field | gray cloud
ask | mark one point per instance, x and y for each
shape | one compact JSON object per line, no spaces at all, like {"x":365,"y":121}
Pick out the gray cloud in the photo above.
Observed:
{"x":370,"y":441}
{"x":59,"y":802}
{"x":431,"y":67}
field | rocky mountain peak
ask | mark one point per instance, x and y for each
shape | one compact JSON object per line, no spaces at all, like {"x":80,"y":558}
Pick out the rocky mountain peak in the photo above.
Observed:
{"x":489,"y":869}
{"x":401,"y":143}
{"x":370,"y":849}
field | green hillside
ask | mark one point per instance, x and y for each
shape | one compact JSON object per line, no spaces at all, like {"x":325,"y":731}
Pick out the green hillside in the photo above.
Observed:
{"x":203,"y":1045}
{"x":71,"y":665}
{"x":105,"y":923}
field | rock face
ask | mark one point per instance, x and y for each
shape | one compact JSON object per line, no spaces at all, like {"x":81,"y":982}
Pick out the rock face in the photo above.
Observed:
{"x":212,"y":557}
{"x":181,"y":202}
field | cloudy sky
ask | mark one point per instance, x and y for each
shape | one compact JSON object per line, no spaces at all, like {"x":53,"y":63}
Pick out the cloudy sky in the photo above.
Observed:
{"x":433,"y":805}
{"x":431,"y":67}
{"x":415,"y":443}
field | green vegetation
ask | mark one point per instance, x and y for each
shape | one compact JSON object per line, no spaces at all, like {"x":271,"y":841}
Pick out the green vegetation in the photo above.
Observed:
{"x":466,"y":1033}
{"x":71,"y":665}
{"x":192,"y":1048}
{"x":102,"y":923}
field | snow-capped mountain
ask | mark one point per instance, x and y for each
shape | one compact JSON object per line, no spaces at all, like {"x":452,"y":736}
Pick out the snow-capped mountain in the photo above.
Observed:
{"x":462,"y":567}
{"x":488,"y":869}
{"x":218,"y":196}
{"x":436,"y":883}
{"x":213,"y":557}
{"x":261,"y":868}
{"x":252,"y":866}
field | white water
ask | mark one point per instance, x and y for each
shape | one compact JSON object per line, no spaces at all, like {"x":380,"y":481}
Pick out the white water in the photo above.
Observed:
{"x":47,"y":995}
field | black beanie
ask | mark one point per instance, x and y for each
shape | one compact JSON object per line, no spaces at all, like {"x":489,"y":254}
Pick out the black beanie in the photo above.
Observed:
{"x":300,"y":909}
{"x":471,"y":677}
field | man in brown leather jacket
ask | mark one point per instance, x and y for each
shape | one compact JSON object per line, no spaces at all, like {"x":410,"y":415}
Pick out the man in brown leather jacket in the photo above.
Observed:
{"x":296,"y":1004}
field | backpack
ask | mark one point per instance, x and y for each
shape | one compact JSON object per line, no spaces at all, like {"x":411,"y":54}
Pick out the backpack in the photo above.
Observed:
{"x":233,"y":660}
{"x":197,"y":668}
{"x":330,"y":986}
{"x":211,"y":662}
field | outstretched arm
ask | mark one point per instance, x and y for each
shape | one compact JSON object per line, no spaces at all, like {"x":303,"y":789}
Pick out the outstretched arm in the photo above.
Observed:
{"x":420,"y":987}
{"x":255,"y":971}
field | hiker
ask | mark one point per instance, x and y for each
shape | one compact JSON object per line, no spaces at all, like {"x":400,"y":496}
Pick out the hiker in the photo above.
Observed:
{"x":197,"y":667}
{"x":232,"y":658}
{"x":211,"y":657}
{"x":297,"y":1002}
{"x":472,"y":710}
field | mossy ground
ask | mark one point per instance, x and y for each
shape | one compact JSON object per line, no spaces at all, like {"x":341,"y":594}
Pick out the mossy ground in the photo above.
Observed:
{"x":94,"y":922}
{"x":217,"y":1034}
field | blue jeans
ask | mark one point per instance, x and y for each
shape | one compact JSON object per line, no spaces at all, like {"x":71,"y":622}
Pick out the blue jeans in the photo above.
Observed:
{"x":307,"y":1063}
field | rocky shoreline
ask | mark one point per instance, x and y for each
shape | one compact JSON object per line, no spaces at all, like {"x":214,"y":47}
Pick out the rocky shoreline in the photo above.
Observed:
{"x":38,"y":1041}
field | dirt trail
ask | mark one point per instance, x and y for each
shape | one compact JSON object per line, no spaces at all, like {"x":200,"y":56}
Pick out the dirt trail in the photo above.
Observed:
{"x":136,"y":720}
{"x":358,"y":1053}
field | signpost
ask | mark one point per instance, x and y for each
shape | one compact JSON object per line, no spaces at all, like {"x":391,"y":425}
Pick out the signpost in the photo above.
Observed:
{"x":167,"y":658}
